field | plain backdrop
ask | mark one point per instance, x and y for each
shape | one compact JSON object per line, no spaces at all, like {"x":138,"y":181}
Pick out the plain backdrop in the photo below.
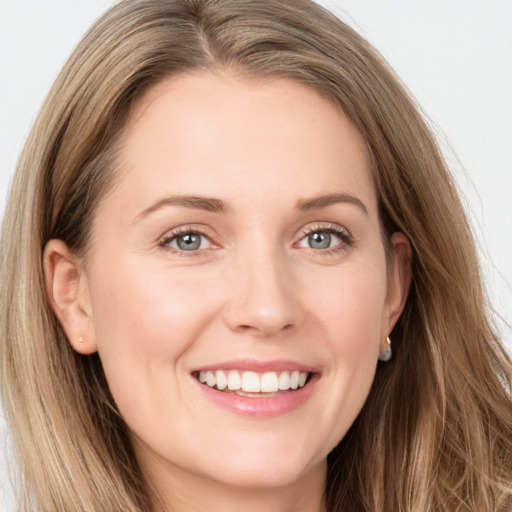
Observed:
{"x":454,"y":55}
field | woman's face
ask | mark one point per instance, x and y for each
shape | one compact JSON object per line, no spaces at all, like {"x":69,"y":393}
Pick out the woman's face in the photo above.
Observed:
{"x":240,"y":247}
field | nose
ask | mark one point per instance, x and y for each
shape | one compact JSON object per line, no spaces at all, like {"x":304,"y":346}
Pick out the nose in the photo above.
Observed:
{"x":263,"y":299}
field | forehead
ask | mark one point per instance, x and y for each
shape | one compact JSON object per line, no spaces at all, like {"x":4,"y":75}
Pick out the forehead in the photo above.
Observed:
{"x":218,"y":134}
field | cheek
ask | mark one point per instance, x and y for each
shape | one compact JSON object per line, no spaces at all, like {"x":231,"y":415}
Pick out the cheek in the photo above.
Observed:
{"x":145,"y":306}
{"x":349,"y":310}
{"x":350,"y":305}
{"x":143,"y":320}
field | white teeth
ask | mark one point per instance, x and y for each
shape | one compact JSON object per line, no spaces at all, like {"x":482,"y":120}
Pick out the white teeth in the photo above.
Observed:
{"x":210,"y":379}
{"x":252,"y":382}
{"x":284,"y":381}
{"x":221,"y":379}
{"x":269,"y":382}
{"x":294,"y":380}
{"x":234,"y":380}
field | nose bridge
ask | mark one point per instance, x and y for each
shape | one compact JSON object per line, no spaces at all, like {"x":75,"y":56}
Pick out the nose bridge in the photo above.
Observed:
{"x":262,"y":296}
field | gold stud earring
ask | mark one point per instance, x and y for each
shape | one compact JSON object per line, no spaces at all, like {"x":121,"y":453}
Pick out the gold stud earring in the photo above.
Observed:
{"x":388,"y":353}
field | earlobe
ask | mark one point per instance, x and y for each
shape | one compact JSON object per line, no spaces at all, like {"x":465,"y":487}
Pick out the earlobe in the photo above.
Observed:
{"x":68,"y":293}
{"x":399,"y":280}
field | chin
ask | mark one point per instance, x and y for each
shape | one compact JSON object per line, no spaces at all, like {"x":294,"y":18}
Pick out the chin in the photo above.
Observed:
{"x":270,"y":468}
{"x":261,"y":477}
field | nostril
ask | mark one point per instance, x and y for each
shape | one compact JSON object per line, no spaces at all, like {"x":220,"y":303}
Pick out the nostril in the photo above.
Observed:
{"x":262,"y":316}
{"x":264,"y":330}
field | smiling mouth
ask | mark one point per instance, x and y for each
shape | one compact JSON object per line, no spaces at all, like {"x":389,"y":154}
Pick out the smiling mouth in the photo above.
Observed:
{"x":253,"y":384}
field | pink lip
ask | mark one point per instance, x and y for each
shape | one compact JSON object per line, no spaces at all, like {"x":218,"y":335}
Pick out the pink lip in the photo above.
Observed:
{"x":258,"y":366}
{"x":260,"y":407}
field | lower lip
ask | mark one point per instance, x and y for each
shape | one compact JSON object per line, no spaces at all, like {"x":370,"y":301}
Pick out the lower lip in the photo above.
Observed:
{"x":263,"y":407}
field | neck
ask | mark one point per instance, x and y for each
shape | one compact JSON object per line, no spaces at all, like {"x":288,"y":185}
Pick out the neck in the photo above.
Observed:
{"x":177,"y":490}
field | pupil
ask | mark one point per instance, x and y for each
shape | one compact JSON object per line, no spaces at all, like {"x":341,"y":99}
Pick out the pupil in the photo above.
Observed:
{"x":320,"y":240}
{"x":189,"y":242}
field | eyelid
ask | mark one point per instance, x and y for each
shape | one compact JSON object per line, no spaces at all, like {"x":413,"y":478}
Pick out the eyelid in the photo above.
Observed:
{"x":324,"y":226}
{"x":172,"y":234}
{"x":343,"y":233}
{"x":340,"y":231}
{"x":328,"y":226}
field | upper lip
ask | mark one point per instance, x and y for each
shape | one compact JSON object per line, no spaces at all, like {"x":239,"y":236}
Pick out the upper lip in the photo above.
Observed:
{"x":257,"y":366}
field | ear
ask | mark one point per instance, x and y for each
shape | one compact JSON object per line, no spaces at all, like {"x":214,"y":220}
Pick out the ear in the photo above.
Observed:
{"x":399,"y":282}
{"x":68,"y":293}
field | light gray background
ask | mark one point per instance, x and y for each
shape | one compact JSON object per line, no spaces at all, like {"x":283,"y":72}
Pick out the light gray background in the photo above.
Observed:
{"x":454,"y":55}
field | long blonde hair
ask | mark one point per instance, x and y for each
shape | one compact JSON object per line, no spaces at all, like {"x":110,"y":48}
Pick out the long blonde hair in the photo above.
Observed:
{"x":436,"y":431}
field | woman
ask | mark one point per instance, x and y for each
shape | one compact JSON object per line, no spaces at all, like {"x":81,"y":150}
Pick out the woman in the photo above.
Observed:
{"x":225,"y":213}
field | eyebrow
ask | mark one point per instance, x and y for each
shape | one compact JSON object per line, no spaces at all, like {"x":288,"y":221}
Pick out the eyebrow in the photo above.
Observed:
{"x":208,"y":204}
{"x":327,"y":200}
{"x":214,"y":205}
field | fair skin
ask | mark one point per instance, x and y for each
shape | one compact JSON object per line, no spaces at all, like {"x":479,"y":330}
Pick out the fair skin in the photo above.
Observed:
{"x":242,"y":236}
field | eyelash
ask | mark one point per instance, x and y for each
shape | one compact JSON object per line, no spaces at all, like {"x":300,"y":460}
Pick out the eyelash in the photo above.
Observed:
{"x":347,"y":240}
{"x":183,"y":231}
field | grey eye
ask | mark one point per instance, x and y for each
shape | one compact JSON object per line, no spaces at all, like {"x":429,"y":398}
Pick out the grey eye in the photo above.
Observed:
{"x":319,"y":240}
{"x":188,"y":242}
{"x":322,"y":239}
